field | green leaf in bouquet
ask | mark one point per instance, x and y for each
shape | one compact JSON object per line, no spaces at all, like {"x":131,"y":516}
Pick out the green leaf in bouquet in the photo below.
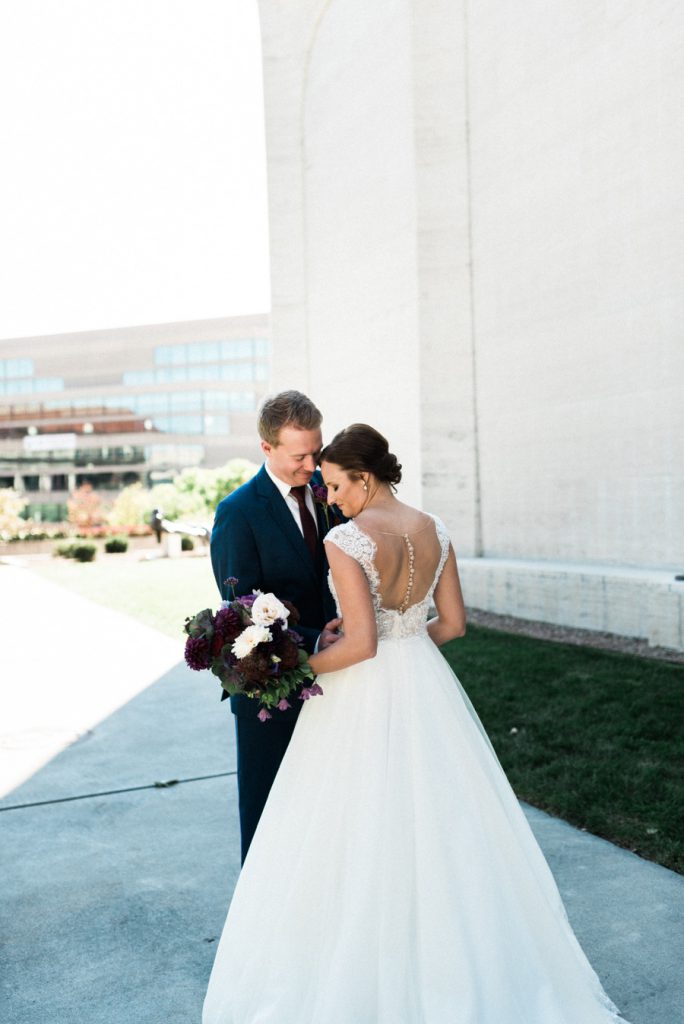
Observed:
{"x":201,"y":624}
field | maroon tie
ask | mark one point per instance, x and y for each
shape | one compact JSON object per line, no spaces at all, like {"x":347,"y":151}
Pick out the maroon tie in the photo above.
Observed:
{"x":308,"y":522}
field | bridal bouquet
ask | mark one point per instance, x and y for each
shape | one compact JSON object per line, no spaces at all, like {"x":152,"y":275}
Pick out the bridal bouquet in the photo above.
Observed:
{"x":248,"y":644}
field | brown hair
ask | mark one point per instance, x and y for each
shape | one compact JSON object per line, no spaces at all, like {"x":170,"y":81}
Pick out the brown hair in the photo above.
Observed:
{"x":362,"y":449}
{"x":286,"y":409}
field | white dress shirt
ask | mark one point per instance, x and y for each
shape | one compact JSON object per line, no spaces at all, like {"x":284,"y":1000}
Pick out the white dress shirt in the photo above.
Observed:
{"x":291,"y":501}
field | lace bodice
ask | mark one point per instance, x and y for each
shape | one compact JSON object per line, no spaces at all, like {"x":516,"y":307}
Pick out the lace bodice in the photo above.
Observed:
{"x":391,"y":622}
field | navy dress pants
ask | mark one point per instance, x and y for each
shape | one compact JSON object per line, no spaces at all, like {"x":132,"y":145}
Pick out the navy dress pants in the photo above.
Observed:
{"x":260,"y":749}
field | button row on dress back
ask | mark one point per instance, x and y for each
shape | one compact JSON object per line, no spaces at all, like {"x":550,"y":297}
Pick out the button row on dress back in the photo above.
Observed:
{"x":404,"y":604}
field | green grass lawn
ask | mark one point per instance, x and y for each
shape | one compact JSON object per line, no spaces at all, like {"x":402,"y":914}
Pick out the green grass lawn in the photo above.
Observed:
{"x":159,"y":593}
{"x":591,"y":736}
{"x":598,"y":737}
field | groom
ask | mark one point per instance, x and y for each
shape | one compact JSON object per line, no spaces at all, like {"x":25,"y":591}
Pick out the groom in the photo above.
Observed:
{"x":268,"y":534}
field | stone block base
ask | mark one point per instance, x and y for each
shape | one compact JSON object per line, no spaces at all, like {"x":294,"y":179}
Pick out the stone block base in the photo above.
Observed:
{"x":643,"y":603}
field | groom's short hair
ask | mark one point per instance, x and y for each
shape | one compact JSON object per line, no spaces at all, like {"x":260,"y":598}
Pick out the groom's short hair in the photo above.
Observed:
{"x":286,"y":409}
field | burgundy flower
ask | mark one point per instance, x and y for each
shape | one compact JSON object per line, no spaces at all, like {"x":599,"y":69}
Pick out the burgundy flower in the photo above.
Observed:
{"x":197,"y":653}
{"x":256,"y":666}
{"x":288,"y":653}
{"x":228,"y":624}
{"x":217,"y":645}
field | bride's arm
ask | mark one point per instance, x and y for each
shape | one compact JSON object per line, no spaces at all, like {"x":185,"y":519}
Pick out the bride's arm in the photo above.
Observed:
{"x":450,"y":621}
{"x":360,"y":639}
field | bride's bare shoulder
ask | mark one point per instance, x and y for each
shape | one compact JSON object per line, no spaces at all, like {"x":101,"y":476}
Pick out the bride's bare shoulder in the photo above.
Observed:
{"x":398,"y":518}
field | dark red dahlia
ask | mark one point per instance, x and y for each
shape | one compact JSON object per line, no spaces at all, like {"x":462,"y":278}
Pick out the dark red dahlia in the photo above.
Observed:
{"x":256,"y":666}
{"x":288,"y":653}
{"x":217,"y":644}
{"x":197,"y":653}
{"x":228,"y":623}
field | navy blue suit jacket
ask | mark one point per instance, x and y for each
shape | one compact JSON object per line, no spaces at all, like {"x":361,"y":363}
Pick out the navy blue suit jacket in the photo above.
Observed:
{"x":256,"y":539}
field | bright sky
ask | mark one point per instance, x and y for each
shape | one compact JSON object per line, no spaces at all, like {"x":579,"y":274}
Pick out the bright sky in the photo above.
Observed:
{"x":132,"y":178}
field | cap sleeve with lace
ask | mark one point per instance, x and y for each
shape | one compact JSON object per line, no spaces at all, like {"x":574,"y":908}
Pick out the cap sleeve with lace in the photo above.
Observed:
{"x":444,"y":541}
{"x":359,"y":546}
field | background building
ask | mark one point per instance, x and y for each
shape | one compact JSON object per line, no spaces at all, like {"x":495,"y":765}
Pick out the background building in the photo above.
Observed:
{"x":114,"y":407}
{"x":476,"y":241}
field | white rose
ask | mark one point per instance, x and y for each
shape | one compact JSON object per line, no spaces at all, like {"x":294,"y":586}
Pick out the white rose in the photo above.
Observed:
{"x":248,"y":640}
{"x":267,"y":608}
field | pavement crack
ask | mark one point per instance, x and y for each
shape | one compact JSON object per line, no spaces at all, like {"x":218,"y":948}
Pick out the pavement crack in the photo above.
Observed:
{"x":115,"y":792}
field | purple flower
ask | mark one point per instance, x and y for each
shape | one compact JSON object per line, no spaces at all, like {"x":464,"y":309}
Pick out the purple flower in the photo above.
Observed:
{"x":315,"y":690}
{"x":305,"y":694}
{"x":320,"y":492}
{"x":263,"y":715}
{"x":228,"y":624}
{"x":197,"y":653}
{"x":232,"y":581}
{"x":283,"y":705}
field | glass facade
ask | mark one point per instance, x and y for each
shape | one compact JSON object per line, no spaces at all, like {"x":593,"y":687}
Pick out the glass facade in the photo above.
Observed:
{"x":17,"y":377}
{"x":168,"y":412}
{"x":131,"y":424}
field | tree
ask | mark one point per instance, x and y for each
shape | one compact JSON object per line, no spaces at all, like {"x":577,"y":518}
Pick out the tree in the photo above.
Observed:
{"x":11,"y":507}
{"x":132,"y":507}
{"x":229,"y":477}
{"x":85,"y":508}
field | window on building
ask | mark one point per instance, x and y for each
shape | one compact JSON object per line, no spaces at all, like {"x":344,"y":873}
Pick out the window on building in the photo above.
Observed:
{"x":18,"y":387}
{"x":214,"y":424}
{"x":182,"y":400}
{"x":18,"y":367}
{"x":204,"y":351}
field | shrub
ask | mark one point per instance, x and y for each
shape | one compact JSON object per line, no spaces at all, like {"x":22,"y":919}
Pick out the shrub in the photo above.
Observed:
{"x":115,"y":545}
{"x":187,"y":544}
{"x":84,"y":552}
{"x":64,"y":550}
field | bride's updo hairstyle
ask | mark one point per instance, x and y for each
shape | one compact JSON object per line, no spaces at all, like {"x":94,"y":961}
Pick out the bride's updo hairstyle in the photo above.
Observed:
{"x":362,"y":449}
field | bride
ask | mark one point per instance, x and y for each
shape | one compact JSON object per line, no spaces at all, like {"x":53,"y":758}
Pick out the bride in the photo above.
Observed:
{"x":393,"y":877}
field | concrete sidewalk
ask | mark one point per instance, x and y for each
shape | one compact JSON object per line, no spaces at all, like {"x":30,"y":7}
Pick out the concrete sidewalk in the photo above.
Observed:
{"x":115,"y":889}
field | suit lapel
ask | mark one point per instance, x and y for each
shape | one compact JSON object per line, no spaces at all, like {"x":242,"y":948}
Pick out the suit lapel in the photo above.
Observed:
{"x":277,"y":507}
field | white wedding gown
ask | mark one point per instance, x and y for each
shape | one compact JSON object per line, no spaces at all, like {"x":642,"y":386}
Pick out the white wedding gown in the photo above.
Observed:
{"x":393,"y":877}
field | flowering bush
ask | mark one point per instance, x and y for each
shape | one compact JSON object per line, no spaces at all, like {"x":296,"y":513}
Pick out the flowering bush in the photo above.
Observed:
{"x":85,"y":509}
{"x":11,"y":507}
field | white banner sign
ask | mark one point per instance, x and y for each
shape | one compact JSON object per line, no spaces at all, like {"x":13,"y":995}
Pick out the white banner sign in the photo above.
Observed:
{"x":49,"y":442}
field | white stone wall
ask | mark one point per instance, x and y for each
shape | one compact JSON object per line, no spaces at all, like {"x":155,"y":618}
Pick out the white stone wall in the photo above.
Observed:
{"x":360,"y":223}
{"x":578,"y":246}
{"x":477,"y":236}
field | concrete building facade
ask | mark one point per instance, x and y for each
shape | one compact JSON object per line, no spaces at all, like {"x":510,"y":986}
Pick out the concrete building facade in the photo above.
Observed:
{"x":114,"y":407}
{"x":477,"y":239}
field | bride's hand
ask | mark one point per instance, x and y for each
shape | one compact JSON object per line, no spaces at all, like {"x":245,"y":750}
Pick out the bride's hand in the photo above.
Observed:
{"x":329,"y":634}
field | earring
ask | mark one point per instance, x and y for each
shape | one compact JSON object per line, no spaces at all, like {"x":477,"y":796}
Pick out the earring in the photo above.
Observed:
{"x":365,"y":486}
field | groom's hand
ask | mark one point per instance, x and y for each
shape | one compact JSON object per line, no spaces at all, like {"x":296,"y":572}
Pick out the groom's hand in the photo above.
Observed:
{"x":329,"y":634}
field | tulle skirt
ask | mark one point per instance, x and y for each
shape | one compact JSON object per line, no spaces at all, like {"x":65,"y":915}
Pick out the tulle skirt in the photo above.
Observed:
{"x":393,"y":878}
